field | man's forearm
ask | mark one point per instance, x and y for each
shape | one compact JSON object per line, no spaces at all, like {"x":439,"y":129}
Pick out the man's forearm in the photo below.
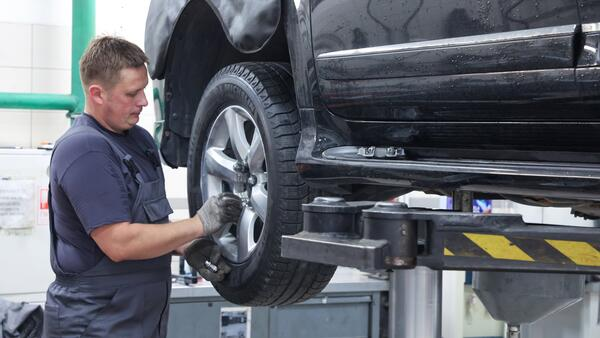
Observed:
{"x":154,"y":242}
{"x":134,"y":241}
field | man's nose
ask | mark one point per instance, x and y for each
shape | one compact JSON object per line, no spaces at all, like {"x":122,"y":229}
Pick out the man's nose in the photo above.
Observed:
{"x":143,"y":101}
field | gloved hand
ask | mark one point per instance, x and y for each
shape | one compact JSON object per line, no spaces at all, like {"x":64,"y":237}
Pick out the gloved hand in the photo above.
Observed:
{"x":218,"y":211}
{"x":204,"y":255}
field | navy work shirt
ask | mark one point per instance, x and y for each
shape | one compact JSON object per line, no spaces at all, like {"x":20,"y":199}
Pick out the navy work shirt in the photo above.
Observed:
{"x":89,"y":190}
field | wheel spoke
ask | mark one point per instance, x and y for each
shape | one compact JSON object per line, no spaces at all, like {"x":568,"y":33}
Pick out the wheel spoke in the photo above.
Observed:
{"x":223,"y":234}
{"x":245,"y":233}
{"x":237,"y":135}
{"x":258,"y":199}
{"x":228,"y":244}
{"x":220,"y":165}
{"x":256,"y":154}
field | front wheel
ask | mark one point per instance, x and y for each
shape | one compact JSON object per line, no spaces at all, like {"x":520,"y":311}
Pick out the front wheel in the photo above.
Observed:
{"x":244,"y":140}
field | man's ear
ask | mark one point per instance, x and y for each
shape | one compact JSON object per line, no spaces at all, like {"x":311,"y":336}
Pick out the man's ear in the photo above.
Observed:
{"x":96,"y":93}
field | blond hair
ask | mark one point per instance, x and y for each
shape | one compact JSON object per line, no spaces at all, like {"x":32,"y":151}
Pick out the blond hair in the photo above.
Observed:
{"x":105,"y":57}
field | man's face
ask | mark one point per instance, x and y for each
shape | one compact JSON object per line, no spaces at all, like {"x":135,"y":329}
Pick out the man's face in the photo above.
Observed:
{"x":125,"y":100}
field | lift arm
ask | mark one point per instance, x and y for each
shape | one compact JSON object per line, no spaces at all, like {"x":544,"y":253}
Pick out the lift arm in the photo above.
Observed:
{"x":385,"y":235}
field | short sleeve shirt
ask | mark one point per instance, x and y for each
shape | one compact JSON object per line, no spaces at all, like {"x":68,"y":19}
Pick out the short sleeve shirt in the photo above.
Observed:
{"x":89,"y":189}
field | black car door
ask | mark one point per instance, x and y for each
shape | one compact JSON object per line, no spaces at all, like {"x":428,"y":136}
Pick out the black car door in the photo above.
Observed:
{"x":588,"y":62}
{"x":444,"y":60}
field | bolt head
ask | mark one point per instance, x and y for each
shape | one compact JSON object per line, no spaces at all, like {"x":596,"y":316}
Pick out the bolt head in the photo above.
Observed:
{"x":238,"y":166}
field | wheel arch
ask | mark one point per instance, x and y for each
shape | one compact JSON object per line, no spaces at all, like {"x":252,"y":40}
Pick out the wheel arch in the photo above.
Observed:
{"x":199,"y":44}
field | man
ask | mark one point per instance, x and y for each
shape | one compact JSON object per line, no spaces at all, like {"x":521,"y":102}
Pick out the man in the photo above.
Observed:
{"x":111,"y":240}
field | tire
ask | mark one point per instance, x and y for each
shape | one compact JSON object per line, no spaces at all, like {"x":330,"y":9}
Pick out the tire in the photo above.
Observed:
{"x":244,"y":103}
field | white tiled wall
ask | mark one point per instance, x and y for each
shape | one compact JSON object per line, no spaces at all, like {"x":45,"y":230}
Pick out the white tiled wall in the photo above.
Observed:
{"x":15,"y":39}
{"x":14,"y":79}
{"x":34,"y":58}
{"x":49,"y":12}
{"x":50,"y":81}
{"x":51,"y":46}
{"x":15,"y":128}
{"x":47,"y":125}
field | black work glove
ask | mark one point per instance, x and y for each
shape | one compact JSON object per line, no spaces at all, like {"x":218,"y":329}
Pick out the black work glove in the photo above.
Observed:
{"x":204,"y":255}
{"x":218,"y":211}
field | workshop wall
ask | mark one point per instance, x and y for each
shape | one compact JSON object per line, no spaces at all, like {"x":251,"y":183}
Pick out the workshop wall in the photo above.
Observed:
{"x":35,"y":56}
{"x":35,"y":37}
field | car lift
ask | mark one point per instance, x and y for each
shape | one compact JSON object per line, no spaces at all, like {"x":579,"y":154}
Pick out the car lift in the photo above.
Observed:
{"x":388,"y":235}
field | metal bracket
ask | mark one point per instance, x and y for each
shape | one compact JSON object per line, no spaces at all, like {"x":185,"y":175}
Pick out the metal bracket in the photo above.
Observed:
{"x":381,"y":152}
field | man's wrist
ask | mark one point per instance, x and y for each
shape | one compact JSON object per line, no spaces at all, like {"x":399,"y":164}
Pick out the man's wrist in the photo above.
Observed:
{"x":198,"y":225}
{"x":180,"y":251}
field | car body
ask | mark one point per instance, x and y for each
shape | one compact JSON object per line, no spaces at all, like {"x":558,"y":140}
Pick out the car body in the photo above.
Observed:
{"x":499,"y":98}
{"x":496,"y":98}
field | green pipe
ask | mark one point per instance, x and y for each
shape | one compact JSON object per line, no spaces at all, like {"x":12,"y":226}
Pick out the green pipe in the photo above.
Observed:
{"x":83,"y":31}
{"x":38,"y":101}
{"x":159,"y":115}
{"x":161,"y":108}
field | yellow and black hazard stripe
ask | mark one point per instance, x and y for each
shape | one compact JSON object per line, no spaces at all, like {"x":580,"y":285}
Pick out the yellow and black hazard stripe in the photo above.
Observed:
{"x":522,"y":249}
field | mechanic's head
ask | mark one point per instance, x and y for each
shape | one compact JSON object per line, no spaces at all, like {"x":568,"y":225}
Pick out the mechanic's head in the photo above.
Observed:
{"x":113,"y":75}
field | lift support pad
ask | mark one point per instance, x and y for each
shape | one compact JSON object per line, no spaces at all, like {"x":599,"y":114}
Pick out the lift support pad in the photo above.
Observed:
{"x":384,"y":235}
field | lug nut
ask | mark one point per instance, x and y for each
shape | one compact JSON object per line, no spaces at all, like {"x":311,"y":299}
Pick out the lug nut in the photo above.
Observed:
{"x":240,"y":167}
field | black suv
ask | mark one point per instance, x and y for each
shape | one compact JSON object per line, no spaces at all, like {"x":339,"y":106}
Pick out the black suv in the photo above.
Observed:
{"x":281,"y":100}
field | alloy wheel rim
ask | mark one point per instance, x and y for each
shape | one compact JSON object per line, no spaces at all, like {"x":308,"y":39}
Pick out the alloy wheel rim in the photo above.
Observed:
{"x":234,"y":161}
